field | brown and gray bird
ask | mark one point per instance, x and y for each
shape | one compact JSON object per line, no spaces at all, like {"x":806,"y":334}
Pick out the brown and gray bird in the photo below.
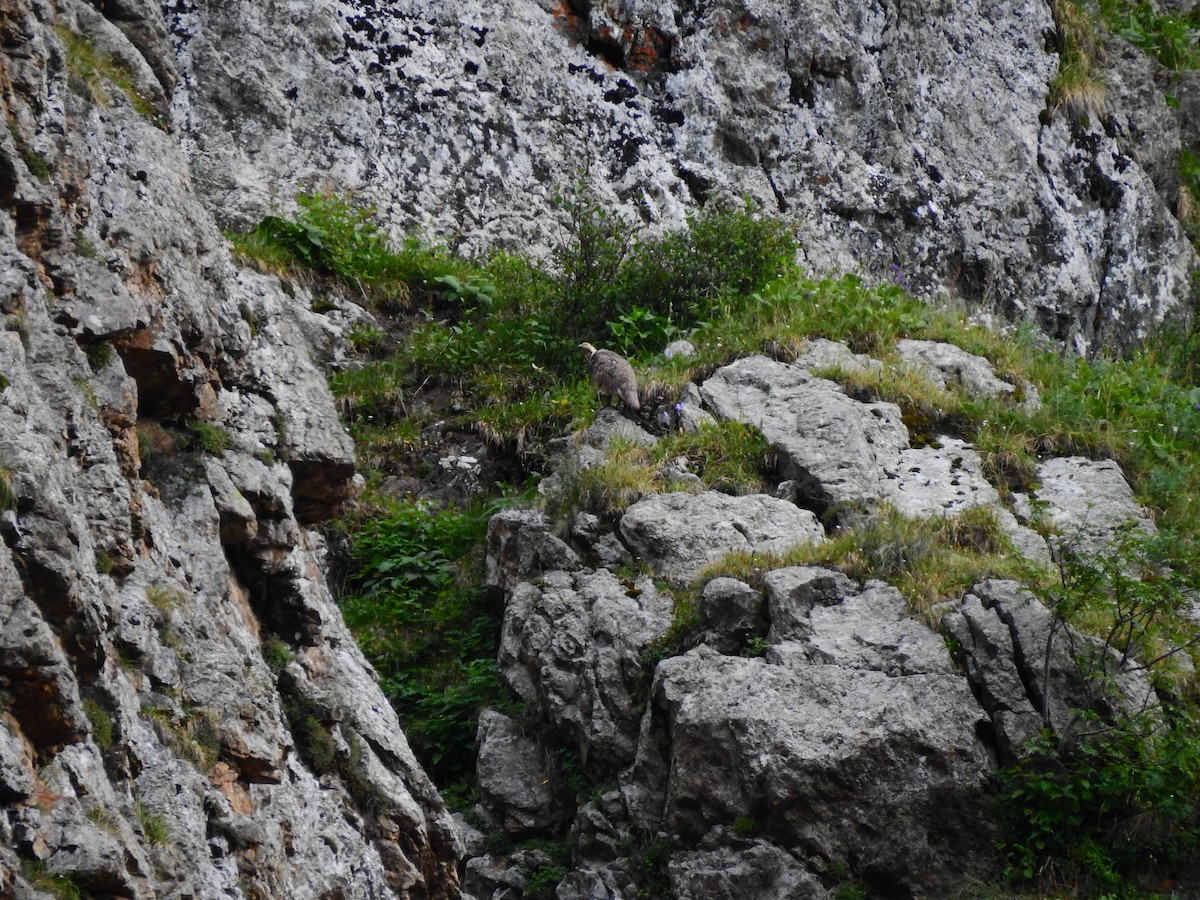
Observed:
{"x":613,"y":375}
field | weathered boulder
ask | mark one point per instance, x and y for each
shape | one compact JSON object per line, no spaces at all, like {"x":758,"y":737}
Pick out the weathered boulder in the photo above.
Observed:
{"x":951,"y":367}
{"x":571,"y":648}
{"x":679,"y":534}
{"x":733,"y":612}
{"x":1087,"y":502}
{"x":819,"y":616}
{"x":839,"y":451}
{"x":521,"y":547}
{"x":835,"y":762}
{"x":610,"y":425}
{"x":820,"y":354}
{"x":749,"y":868}
{"x":1032,"y":670}
{"x":986,"y":649}
{"x":514,"y":776}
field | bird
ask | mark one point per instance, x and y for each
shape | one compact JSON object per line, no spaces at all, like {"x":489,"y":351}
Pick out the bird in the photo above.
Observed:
{"x":613,"y":376}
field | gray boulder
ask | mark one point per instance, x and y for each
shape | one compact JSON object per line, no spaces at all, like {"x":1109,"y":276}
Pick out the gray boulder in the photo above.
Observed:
{"x":514,"y":776}
{"x":733,"y":612}
{"x":1087,"y":502}
{"x":839,"y":451}
{"x":1032,"y":670}
{"x":832,"y":761}
{"x":952,"y":368}
{"x":749,"y":868}
{"x":819,"y":616}
{"x":571,"y":647}
{"x":679,"y":534}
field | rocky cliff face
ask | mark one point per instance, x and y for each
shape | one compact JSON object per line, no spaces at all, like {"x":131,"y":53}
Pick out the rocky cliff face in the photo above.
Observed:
{"x":902,"y":138}
{"x":182,"y":712}
{"x":166,"y":441}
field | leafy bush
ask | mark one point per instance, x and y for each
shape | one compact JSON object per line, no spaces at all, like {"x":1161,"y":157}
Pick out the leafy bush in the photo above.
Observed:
{"x":1119,"y":799}
{"x":424,"y":624}
{"x":645,"y":289}
{"x":333,"y":236}
{"x":1169,"y":39}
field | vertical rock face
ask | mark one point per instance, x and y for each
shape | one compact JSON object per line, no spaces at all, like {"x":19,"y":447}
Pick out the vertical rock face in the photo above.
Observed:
{"x":166,"y":439}
{"x":182,"y":712}
{"x":910,"y":141}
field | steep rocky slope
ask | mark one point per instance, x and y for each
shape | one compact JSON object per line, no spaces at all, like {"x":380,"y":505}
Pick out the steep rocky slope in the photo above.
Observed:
{"x":895,"y":133}
{"x":818,"y":736}
{"x":166,"y":441}
{"x":182,"y":711}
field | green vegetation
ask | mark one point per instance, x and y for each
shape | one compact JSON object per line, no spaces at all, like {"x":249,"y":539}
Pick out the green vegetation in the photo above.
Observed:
{"x":164,"y":599}
{"x":208,"y":438}
{"x":1172,"y":40}
{"x":334,"y":237}
{"x":928,"y":560}
{"x":58,"y":885}
{"x":154,"y":827}
{"x":90,"y":73}
{"x":102,"y":723}
{"x":489,"y":345}
{"x":276,"y":654}
{"x":1077,"y":88}
{"x":8,"y":499}
{"x":725,"y":456}
{"x":417,"y":605}
{"x":1117,"y":800}
{"x":191,"y":733}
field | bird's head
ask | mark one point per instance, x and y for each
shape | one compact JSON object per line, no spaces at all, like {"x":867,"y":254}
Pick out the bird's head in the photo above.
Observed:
{"x":588,"y":347}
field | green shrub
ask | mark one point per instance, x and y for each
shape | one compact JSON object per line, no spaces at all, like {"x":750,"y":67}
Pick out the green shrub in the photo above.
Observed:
{"x":102,"y":723}
{"x":1170,"y":40}
{"x":59,"y":886}
{"x":333,"y":236}
{"x":8,"y":499}
{"x":208,"y":438}
{"x":154,"y":827}
{"x":1118,"y":799}
{"x":540,"y":883}
{"x":276,"y":654}
{"x":645,"y":289}
{"x":418,"y":610}
{"x":1078,"y":86}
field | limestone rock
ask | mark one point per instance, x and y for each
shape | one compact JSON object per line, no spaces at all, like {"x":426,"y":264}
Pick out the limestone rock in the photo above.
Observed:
{"x":839,"y":451}
{"x":987,"y":651}
{"x":860,"y":752}
{"x":821,"y":353}
{"x":817,"y":616}
{"x":610,"y":424}
{"x":754,"y":869}
{"x":1088,"y":501}
{"x":950,"y":367}
{"x":733,"y":612}
{"x":514,"y":777}
{"x":521,"y":547}
{"x":571,"y":647}
{"x":679,"y":534}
